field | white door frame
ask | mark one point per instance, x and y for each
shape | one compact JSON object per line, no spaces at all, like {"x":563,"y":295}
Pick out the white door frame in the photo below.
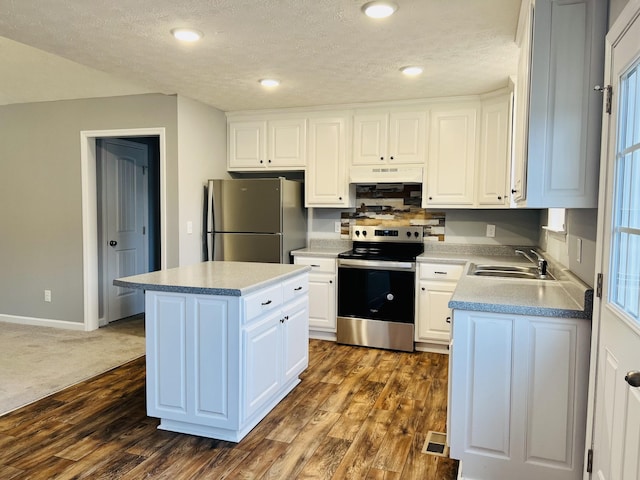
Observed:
{"x":90,"y":212}
{"x":626,"y":18}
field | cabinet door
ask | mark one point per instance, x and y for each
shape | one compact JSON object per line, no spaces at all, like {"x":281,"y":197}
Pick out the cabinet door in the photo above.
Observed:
{"x":322,"y":302}
{"x":370,"y":139}
{"x":564,"y":115}
{"x":519,"y":392}
{"x":452,"y":156}
{"x":247,"y":145}
{"x":326,"y":181}
{"x":493,"y":174}
{"x":521,"y":110}
{"x":287,"y":143}
{"x":434,"y":315}
{"x":407,"y":134}
{"x":295,"y":339}
{"x":262,"y":371}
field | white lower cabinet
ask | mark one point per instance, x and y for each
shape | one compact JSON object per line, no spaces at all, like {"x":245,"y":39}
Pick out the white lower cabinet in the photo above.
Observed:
{"x":436,"y":283}
{"x":216,"y":365}
{"x":519,"y":396}
{"x":322,"y":292}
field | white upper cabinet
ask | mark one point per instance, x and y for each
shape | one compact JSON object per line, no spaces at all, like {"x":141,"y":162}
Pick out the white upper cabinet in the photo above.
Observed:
{"x":558,"y":113}
{"x":492,"y":188}
{"x":326,"y":182}
{"x":279,"y":144}
{"x":388,"y":138}
{"x":453,"y":145}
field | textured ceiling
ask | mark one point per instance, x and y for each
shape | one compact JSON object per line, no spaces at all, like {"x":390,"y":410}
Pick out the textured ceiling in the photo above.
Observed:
{"x":325,"y":52}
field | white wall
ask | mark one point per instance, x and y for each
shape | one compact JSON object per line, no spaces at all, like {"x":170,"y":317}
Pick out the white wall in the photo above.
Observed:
{"x":203,"y":154}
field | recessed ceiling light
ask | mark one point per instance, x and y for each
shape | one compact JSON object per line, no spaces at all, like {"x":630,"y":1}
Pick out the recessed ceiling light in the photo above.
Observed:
{"x":269,"y":82}
{"x":379,"y":9}
{"x":187,"y":34}
{"x":411,"y":71}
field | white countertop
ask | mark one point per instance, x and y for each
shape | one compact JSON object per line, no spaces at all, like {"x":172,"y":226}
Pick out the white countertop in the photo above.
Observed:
{"x":213,"y":278}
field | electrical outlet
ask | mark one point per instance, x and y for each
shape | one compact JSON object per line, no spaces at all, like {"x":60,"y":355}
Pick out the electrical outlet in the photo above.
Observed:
{"x":491,"y":230}
{"x":189,"y":227}
{"x":47,"y":295}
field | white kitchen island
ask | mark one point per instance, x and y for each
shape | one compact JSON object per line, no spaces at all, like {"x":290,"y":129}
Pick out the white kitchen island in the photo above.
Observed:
{"x":225,"y":343}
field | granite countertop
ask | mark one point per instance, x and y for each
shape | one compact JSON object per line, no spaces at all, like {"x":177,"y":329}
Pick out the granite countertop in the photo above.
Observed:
{"x":567,"y":296}
{"x":213,"y":278}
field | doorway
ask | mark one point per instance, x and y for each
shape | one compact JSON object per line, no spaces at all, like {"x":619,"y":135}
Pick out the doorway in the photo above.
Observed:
{"x":93,"y":283}
{"x":128,"y":220}
{"x":615,"y":442}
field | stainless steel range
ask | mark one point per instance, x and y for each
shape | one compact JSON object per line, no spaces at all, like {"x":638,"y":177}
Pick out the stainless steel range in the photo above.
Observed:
{"x":376,"y":287}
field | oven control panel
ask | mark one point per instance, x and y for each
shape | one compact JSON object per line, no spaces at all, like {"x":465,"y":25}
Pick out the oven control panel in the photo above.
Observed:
{"x":360,"y":233}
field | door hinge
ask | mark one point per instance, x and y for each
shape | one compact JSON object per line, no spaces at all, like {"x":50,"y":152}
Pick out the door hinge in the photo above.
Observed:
{"x":607,"y":91}
{"x":144,"y":230}
{"x":590,"y":461}
{"x":599,"y":286}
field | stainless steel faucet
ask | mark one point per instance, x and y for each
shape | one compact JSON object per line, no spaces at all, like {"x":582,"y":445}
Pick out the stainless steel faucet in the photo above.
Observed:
{"x":542,"y":263}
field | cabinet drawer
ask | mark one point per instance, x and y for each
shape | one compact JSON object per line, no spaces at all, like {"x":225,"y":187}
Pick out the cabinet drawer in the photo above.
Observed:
{"x":441,"y":271}
{"x":295,"y":287}
{"x":317,"y":264}
{"x":263,"y":301}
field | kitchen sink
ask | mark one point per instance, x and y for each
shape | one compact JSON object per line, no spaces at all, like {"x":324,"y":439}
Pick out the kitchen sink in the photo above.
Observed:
{"x":508,"y":268}
{"x":507,"y":271}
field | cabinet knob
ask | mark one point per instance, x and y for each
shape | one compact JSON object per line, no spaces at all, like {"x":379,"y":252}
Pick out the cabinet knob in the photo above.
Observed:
{"x":448,"y":319}
{"x":391,"y":158}
{"x":430,"y":198}
{"x":381,"y":158}
{"x":282,"y":320}
{"x":269,"y":161}
{"x":339,"y":198}
{"x":261,"y":161}
{"x":499,"y":197}
{"x":513,"y":190}
{"x":330,"y":281}
{"x":423,"y":289}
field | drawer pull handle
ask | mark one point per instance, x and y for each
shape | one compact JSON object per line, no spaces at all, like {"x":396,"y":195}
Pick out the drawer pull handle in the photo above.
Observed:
{"x":448,"y":320}
{"x":267,"y":302}
{"x":440,"y":273}
{"x":315,"y":266}
{"x":297,"y":289}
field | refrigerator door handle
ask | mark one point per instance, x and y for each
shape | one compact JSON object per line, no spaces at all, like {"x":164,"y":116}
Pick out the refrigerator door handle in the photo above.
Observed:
{"x":205,"y":226}
{"x":211,"y":221}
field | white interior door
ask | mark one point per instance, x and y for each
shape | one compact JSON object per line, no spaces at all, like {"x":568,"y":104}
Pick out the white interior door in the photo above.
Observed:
{"x":125,"y":193}
{"x":616,"y":441}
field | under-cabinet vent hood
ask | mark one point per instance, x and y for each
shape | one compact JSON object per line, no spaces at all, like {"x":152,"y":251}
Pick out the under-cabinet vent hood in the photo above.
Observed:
{"x":385,"y":174}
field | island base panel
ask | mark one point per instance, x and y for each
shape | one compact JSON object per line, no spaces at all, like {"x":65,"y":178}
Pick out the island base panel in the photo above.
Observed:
{"x":224,"y":433}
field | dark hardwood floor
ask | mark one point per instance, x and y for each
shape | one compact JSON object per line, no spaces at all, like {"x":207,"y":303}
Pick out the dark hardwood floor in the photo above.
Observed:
{"x":358,"y":413}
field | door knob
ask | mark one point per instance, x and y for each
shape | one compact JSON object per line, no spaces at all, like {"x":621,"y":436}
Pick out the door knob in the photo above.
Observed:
{"x":113,"y":243}
{"x":633,"y":378}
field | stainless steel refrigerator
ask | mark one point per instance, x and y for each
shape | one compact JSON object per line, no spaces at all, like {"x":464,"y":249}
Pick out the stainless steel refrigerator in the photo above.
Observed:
{"x":253,"y":220}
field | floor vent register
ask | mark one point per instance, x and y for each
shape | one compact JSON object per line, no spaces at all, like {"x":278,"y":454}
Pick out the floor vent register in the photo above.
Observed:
{"x":436,"y":444}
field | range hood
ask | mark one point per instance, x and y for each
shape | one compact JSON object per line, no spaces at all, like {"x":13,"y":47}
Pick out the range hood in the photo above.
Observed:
{"x":385,"y":174}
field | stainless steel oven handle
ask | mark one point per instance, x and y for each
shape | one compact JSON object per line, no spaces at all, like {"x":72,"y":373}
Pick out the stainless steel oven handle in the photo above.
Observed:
{"x":381,"y":264}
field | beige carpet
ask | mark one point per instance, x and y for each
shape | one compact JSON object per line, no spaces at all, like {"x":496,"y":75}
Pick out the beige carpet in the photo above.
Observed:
{"x":38,"y":361}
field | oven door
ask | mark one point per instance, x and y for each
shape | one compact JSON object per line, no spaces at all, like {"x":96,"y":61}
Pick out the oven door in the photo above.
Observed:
{"x":377,"y":290}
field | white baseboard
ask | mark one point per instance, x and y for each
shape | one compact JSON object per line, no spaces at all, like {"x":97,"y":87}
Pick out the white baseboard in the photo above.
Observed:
{"x":42,"y":322}
{"x":432,"y":347}
{"x":320,"y":335}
